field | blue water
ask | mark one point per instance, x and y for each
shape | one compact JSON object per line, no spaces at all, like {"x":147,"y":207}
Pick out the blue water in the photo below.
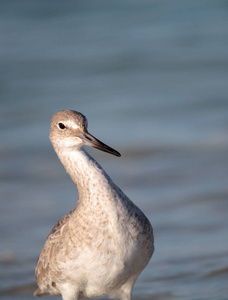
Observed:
{"x":152,"y":79}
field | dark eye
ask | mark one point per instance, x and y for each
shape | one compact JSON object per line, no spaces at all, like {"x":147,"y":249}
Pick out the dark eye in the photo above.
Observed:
{"x":61,"y":126}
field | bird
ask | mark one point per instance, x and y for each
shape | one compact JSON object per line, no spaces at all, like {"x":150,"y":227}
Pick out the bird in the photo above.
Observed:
{"x":102,"y":245}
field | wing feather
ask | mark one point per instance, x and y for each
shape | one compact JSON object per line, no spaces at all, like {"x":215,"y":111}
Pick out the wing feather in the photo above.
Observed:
{"x":45,"y":263}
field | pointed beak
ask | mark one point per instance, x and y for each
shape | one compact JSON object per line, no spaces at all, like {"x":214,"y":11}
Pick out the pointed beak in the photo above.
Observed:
{"x":90,"y":140}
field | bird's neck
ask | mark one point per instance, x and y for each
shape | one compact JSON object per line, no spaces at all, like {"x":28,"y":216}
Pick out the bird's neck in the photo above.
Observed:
{"x":89,"y":177}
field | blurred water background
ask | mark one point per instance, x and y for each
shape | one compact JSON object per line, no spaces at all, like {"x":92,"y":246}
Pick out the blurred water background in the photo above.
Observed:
{"x":152,"y":79}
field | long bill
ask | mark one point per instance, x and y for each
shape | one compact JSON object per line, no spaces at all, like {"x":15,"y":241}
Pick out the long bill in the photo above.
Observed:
{"x":90,"y":140}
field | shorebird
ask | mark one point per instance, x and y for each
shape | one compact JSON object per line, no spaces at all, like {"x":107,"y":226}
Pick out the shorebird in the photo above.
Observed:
{"x":104,"y":243}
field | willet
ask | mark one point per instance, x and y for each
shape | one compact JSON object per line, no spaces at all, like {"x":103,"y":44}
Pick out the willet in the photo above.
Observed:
{"x":102,"y":245}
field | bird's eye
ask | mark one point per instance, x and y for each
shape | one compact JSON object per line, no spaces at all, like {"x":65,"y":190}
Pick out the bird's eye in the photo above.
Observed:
{"x":61,"y":126}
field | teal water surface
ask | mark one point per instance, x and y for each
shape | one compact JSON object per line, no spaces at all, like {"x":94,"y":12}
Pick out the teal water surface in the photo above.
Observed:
{"x":151,"y":77}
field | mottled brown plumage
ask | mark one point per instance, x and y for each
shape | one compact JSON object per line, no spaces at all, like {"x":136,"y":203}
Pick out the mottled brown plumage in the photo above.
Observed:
{"x":101,"y":246}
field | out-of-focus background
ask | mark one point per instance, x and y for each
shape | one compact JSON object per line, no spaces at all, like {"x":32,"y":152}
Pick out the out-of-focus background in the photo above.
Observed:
{"x":152,"y":79}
